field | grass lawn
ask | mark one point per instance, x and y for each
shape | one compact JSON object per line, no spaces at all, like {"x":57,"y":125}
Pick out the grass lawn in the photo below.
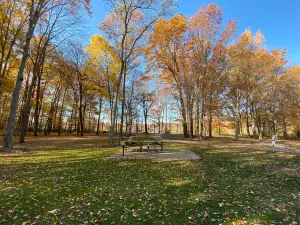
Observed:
{"x":70,"y":181}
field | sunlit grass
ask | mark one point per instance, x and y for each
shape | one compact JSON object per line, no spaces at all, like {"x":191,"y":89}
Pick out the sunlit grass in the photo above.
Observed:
{"x":80,"y":185}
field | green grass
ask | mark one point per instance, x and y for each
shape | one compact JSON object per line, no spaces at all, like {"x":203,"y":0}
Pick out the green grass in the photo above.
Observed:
{"x":59,"y":184}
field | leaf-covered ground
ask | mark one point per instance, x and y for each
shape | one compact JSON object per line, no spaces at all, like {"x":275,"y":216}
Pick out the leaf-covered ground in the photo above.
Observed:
{"x":71,"y":181}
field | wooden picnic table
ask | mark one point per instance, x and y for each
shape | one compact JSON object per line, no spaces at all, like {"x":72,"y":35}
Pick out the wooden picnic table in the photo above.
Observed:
{"x":141,"y":144}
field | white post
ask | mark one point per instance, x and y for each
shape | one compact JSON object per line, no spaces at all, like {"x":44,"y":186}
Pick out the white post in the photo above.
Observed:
{"x":273,"y":140}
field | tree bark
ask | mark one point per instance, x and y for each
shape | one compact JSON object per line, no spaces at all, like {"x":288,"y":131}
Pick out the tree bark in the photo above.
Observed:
{"x":36,"y":74}
{"x":48,"y":125}
{"x":247,"y":122}
{"x":115,"y":107}
{"x":37,"y":106}
{"x":20,"y":118}
{"x":237,"y":117}
{"x":81,"y":126}
{"x":198,"y":117}
{"x":26,"y":111}
{"x":145,"y":121}
{"x":202,"y":122}
{"x":71,"y":120}
{"x":210,"y":125}
{"x":61,"y":112}
{"x":99,"y":114}
{"x":183,"y":114}
{"x":123,"y":104}
{"x":253,"y":121}
{"x":8,"y":139}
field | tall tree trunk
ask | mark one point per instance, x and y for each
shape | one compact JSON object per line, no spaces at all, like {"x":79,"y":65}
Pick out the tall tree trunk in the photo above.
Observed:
{"x":253,"y":121}
{"x":2,"y":122}
{"x":26,"y":110}
{"x":71,"y":120}
{"x":36,"y":73}
{"x":285,"y":134}
{"x":61,"y":112}
{"x":130,"y":120}
{"x":115,"y":106}
{"x":263,"y":129}
{"x":191,"y":124}
{"x":20,"y":118}
{"x":80,"y":108}
{"x":210,"y":124}
{"x":247,"y":121}
{"x":237,"y":117}
{"x":190,"y":105}
{"x":99,"y":114}
{"x":241,"y":124}
{"x":198,"y":117}
{"x":202,"y":122}
{"x":126,"y":123}
{"x":42,"y":108}
{"x":123,"y":104}
{"x":77,"y":126}
{"x":84,"y":111}
{"x":145,"y":121}
{"x":8,"y":139}
{"x":259,"y":127}
{"x":159,"y":126}
{"x":39,"y":98}
{"x":37,"y":106}
{"x":48,"y":125}
{"x":54,"y":123}
{"x":162,"y":120}
{"x":183,"y":114}
{"x":137,"y":124}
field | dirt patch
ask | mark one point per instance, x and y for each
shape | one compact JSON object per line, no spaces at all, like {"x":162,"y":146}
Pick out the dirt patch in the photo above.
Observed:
{"x":166,"y":155}
{"x":295,"y":172}
{"x":289,"y":171}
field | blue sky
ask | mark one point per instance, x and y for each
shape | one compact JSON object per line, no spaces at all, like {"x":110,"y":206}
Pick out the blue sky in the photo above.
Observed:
{"x":278,"y":20}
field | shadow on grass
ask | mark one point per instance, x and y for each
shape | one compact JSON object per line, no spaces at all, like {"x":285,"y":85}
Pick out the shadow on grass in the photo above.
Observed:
{"x":223,"y":187}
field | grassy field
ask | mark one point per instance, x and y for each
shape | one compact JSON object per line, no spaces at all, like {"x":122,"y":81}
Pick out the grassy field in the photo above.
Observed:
{"x":69,"y":180}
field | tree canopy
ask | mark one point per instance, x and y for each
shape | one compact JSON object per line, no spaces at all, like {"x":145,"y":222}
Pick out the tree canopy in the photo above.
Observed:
{"x":147,"y":70}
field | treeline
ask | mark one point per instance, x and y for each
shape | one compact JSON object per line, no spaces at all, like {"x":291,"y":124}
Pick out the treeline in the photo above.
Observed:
{"x":30,"y":35}
{"x":202,"y":72}
{"x":52,"y":83}
{"x":216,"y":75}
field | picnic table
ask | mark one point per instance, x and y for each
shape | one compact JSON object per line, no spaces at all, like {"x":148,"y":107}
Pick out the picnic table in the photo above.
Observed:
{"x":141,"y":144}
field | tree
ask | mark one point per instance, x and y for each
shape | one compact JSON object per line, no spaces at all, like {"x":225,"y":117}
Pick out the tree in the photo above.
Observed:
{"x":42,"y":47}
{"x":103,"y":55}
{"x":166,"y":51}
{"x":208,"y":41}
{"x":252,"y":73}
{"x":147,"y":99}
{"x":156,"y":113}
{"x":11,"y":28}
{"x":125,"y":26}
{"x":36,"y":9}
{"x":289,"y":96}
{"x":241,"y":54}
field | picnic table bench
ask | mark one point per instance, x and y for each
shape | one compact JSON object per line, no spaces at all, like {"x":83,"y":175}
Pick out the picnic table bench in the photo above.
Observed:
{"x":141,"y":144}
